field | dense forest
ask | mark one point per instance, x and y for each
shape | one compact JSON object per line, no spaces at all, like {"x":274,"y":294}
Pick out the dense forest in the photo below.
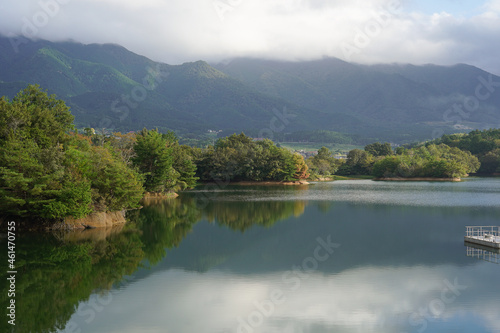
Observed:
{"x":485,"y":145}
{"x":428,"y":160}
{"x":50,"y":171}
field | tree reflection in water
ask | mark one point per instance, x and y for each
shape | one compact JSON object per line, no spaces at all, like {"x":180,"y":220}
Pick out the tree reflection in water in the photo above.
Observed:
{"x":57,"y":271}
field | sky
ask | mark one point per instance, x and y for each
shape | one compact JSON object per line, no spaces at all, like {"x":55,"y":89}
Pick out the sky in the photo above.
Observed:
{"x":442,"y":32}
{"x":222,"y":301}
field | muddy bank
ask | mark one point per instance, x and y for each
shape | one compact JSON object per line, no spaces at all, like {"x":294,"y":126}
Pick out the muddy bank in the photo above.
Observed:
{"x":94,"y":220}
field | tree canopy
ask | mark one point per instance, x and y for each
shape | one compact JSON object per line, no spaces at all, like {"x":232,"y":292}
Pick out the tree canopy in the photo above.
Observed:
{"x":437,"y":161}
{"x":379,"y":149}
{"x":485,"y":145}
{"x":323,"y":163}
{"x":48,"y":173}
{"x":239,"y":158}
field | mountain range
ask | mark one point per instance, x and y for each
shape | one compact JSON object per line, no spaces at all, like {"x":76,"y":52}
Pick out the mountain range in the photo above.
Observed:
{"x":108,"y":86}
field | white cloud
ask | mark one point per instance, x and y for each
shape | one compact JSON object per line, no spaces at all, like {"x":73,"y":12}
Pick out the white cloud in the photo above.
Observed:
{"x":493,"y":6}
{"x":369,"y":299}
{"x":175,"y":31}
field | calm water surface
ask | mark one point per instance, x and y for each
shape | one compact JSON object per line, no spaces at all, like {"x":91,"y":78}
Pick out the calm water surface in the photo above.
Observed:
{"x":347,"y":256}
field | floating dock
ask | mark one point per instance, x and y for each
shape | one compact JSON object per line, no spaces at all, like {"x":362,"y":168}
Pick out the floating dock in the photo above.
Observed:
{"x":483,"y":235}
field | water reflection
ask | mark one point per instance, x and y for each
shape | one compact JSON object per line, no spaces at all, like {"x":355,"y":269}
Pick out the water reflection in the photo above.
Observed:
{"x":163,"y":224}
{"x":65,"y":268}
{"x":399,"y":268}
{"x":370,"y":299}
{"x":241,"y":216}
{"x":57,"y":271}
{"x":483,"y":253}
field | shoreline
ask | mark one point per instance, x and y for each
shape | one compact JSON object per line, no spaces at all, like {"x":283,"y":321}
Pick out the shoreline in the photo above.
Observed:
{"x":271,"y":183}
{"x":323,"y":179}
{"x":92,"y":221}
{"x":155,"y":195}
{"x":104,"y":220}
{"x":95,"y":220}
{"x":420,"y":179}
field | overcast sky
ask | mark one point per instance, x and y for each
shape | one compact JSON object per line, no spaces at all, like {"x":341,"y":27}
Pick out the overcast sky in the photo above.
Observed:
{"x":175,"y":31}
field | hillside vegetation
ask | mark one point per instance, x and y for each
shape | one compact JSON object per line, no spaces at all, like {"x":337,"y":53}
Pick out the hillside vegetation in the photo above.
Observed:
{"x":109,"y":87}
{"x":393,"y":102}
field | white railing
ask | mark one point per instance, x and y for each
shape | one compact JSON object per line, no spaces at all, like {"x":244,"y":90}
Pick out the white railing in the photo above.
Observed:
{"x":482,"y":231}
{"x":483,"y":255}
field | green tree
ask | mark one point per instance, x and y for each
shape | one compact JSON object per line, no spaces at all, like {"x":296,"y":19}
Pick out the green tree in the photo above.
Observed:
{"x":238,"y":157}
{"x":187,"y":171}
{"x":490,"y":162}
{"x":323,"y":163}
{"x":46,"y":173}
{"x":300,"y":167}
{"x":400,"y":150}
{"x":36,"y":116}
{"x":33,"y":180}
{"x":183,"y":162}
{"x":154,"y":161}
{"x":358,"y":162}
{"x":24,"y":185}
{"x":481,"y":144}
{"x":387,"y":167}
{"x":379,"y":149}
{"x":115,"y":186}
{"x":438,"y":161}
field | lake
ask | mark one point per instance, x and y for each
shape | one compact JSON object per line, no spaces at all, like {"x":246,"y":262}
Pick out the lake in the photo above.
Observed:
{"x":344,"y":256}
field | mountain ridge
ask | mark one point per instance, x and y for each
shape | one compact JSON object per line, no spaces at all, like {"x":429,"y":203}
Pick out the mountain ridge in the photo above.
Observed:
{"x":108,"y":86}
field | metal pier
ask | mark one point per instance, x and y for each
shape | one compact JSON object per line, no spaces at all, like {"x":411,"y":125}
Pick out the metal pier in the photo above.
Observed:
{"x":483,"y":235}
